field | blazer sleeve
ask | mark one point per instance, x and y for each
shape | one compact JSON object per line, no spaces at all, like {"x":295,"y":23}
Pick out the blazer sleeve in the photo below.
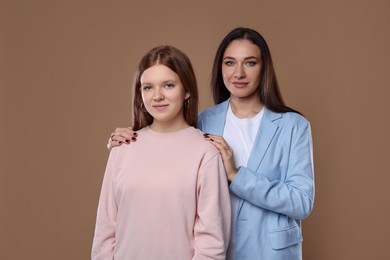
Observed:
{"x":212,"y":224}
{"x":292,"y":195}
{"x":104,"y":239}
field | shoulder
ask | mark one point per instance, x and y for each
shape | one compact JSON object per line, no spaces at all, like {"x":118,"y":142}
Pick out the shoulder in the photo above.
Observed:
{"x":212,"y":119}
{"x":200,"y":144}
{"x":215,"y":110}
{"x":295,"y":119}
{"x":199,"y":140}
{"x":121,"y":150}
{"x":286,"y":119}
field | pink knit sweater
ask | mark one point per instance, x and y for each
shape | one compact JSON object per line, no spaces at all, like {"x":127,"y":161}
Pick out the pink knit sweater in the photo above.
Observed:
{"x":164,"y":197}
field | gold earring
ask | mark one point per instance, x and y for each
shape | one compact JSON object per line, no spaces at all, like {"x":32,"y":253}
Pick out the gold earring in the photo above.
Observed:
{"x":187,"y":103}
{"x":143,"y":109}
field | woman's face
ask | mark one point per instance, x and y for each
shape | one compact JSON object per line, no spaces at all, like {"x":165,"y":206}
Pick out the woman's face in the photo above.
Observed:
{"x":163,"y":95}
{"x":241,"y":67}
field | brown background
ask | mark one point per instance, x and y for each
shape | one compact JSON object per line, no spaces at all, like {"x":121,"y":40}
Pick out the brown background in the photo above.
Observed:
{"x":66,"y":68}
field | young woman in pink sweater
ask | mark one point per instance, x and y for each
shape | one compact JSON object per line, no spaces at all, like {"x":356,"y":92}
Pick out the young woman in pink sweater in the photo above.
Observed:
{"x":166,"y":196}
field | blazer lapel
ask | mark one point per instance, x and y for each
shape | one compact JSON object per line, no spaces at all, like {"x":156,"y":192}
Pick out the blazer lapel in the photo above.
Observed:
{"x":216,"y":124}
{"x":265,"y":134}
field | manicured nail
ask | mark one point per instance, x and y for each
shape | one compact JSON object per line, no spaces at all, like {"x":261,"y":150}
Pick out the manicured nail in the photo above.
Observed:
{"x":134,"y":139}
{"x":206,"y":135}
{"x":135,"y":134}
{"x":120,"y":142}
{"x":211,"y":139}
{"x":127,"y":141}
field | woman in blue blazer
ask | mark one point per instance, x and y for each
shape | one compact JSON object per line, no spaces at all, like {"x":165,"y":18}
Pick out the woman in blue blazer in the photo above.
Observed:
{"x":266,"y":148}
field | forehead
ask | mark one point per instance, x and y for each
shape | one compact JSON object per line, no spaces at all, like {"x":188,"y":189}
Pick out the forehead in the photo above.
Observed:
{"x":242,"y":49}
{"x":158,"y":73}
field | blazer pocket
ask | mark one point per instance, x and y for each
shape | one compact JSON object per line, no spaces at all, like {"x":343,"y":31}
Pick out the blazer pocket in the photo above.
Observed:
{"x":282,"y":238}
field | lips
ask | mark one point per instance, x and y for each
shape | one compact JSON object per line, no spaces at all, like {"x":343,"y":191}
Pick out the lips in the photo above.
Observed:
{"x":240,"y":84}
{"x":160,"y":107}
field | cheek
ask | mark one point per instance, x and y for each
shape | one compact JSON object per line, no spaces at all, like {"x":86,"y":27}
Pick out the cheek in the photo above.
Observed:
{"x":227,"y":73}
{"x":256,"y":75}
{"x":225,"y":76}
{"x":226,"y":80}
{"x":145,"y":97}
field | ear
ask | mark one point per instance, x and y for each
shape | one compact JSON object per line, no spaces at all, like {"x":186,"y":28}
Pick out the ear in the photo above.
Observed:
{"x":187,"y":96}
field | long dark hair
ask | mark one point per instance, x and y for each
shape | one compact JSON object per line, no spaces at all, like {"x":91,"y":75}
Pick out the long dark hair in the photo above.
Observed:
{"x":178,"y":62}
{"x":268,"y":88}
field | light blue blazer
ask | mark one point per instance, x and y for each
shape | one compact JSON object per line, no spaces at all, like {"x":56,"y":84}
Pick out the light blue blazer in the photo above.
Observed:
{"x":276,"y":189}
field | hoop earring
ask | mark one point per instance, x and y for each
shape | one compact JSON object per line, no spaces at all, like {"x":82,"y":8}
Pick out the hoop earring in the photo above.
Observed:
{"x":187,"y":103}
{"x":143,"y":109}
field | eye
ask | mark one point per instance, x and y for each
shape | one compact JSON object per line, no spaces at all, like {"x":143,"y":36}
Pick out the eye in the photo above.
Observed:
{"x":229,"y":63}
{"x":251,"y":63}
{"x":146,"y":88}
{"x":169,"y":85}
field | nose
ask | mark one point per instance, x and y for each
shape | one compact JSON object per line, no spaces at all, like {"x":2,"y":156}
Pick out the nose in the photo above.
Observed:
{"x":158,"y":95}
{"x":239,"y":72}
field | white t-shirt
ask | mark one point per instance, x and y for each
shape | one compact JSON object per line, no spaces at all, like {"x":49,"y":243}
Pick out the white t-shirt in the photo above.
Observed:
{"x":240,"y":134}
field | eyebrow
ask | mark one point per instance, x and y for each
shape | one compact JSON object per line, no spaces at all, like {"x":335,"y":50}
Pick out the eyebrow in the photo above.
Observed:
{"x":246,"y":58}
{"x":164,"y":82}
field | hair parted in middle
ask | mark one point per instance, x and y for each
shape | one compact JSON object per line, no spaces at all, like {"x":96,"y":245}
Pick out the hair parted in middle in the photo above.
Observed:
{"x":179,"y":63}
{"x":268,"y":88}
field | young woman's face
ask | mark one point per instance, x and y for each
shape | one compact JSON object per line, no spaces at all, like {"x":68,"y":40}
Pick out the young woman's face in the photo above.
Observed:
{"x":163,"y":95}
{"x":241,"y":67}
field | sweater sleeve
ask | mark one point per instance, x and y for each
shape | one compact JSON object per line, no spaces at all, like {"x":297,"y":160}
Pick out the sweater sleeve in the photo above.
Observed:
{"x":212,"y":225}
{"x":292,"y":196}
{"x":104,"y":238}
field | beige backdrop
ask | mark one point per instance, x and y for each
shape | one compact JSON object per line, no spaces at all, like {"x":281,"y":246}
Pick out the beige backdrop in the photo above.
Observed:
{"x":66,"y":68}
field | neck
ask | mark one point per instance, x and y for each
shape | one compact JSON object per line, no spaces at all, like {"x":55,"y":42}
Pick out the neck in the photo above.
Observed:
{"x":245,"y":107}
{"x":167,"y":127}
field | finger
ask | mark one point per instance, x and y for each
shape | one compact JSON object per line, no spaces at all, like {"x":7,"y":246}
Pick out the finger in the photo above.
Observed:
{"x":112,"y":143}
{"x":126,"y":133}
{"x":215,"y":137}
{"x":220,"y":141}
{"x":128,"y":130}
{"x":119,"y":139}
{"x":222,"y":147}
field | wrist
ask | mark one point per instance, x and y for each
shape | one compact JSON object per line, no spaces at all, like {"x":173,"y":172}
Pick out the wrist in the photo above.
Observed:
{"x":231,"y":175}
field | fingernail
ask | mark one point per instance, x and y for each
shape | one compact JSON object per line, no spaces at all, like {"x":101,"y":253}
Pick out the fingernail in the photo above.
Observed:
{"x":211,"y":139}
{"x":127,"y":141}
{"x":120,"y":142}
{"x":135,"y":134}
{"x":206,"y":135}
{"x":134,"y":139}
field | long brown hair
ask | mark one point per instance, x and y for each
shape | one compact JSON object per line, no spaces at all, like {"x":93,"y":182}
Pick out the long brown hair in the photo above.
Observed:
{"x":268,"y":88}
{"x":178,"y":62}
